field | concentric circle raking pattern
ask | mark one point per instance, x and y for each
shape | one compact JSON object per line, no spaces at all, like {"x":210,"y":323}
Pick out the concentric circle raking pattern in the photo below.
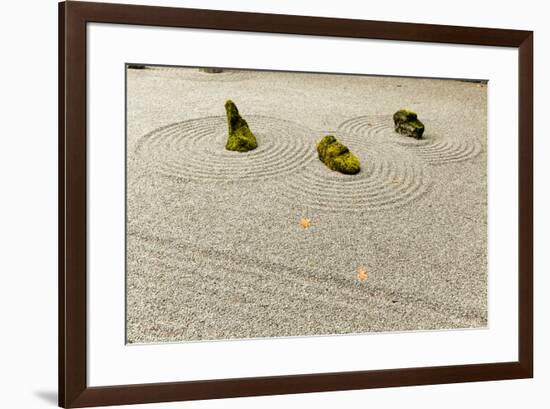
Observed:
{"x":195,"y":149}
{"x":388,"y":178}
{"x":368,"y":126}
{"x":436,"y":148}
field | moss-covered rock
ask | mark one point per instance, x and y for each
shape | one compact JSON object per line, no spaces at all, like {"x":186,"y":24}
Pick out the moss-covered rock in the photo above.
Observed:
{"x":240,"y":137}
{"x":407,"y":123}
{"x":337,"y":156}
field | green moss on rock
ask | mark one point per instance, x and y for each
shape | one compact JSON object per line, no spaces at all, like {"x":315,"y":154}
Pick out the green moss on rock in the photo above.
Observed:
{"x":407,"y":123}
{"x":240,"y":138}
{"x":337,"y":156}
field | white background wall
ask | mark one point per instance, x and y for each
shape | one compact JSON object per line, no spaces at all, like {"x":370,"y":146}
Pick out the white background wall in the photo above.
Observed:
{"x":28,"y":202}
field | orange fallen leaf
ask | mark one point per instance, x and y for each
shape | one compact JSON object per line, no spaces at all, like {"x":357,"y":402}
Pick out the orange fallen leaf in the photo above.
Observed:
{"x":362,"y":274}
{"x":305,"y":222}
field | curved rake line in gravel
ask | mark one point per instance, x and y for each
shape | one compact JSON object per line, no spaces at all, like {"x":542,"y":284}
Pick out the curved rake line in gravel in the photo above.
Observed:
{"x":433,"y":150}
{"x":195,"y":150}
{"x":388,"y":179}
{"x":249,"y":265}
{"x":367,"y":126}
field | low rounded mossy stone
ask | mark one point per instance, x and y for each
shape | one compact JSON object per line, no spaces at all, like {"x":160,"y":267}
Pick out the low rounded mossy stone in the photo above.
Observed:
{"x":240,"y":138}
{"x":407,"y":123}
{"x":337,"y":157}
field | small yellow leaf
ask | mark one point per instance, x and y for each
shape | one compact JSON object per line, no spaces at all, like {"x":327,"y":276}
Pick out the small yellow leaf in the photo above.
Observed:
{"x":305,"y":222}
{"x":362,"y":274}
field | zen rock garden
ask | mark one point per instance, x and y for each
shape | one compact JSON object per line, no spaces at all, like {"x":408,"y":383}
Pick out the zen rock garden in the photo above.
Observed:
{"x":335,"y":155}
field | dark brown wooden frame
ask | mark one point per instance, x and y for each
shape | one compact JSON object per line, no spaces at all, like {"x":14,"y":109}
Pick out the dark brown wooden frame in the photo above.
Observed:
{"x":73,"y":388}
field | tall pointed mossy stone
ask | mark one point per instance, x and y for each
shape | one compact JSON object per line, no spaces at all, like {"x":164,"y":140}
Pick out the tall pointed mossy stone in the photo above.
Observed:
{"x":407,"y":123}
{"x":337,"y":156}
{"x":240,"y":138}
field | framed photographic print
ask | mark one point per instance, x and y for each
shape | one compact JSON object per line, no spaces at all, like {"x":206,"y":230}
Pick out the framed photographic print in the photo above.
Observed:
{"x":255,"y":204}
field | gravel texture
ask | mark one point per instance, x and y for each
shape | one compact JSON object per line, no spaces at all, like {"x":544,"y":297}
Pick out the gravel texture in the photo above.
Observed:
{"x":215,"y":248}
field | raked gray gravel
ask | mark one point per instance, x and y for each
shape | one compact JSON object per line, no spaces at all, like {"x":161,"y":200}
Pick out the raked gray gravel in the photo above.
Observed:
{"x":215,"y":249}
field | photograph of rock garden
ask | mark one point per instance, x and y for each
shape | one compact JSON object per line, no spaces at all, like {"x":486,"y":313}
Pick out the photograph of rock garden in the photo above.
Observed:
{"x":267,"y":204}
